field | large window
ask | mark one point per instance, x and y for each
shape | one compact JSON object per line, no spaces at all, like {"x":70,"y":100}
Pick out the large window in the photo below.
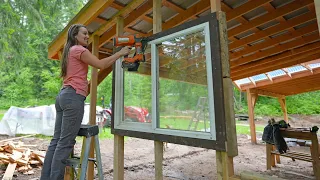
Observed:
{"x":181,"y":98}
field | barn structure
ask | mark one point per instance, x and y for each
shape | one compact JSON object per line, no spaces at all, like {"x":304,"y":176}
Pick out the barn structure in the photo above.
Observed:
{"x":255,"y":37}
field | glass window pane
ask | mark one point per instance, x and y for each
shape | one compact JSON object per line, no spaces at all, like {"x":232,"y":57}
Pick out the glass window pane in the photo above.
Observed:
{"x":183,"y":94}
{"x":137,"y":97}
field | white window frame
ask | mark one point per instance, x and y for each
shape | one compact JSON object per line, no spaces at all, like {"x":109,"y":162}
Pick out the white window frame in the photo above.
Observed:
{"x":152,"y":127}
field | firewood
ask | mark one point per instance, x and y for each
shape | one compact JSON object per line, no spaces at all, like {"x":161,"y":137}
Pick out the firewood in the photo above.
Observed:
{"x":15,"y":156}
{"x":34,"y":162}
{"x":22,"y":162}
{"x":29,"y":172}
{"x":4,"y":156}
{"x":39,"y":153}
{"x":23,"y":169}
{"x":1,"y":149}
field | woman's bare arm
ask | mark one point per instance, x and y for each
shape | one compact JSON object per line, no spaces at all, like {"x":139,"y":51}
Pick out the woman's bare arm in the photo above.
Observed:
{"x":104,"y":63}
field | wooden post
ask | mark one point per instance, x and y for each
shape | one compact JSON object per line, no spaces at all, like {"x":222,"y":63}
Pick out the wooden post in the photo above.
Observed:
{"x":232,"y":148}
{"x":158,"y":146}
{"x":225,"y":159}
{"x":317,"y":7}
{"x":252,"y":99}
{"x":93,"y":102}
{"x":283,"y":105}
{"x":222,"y":165}
{"x":315,"y":155}
{"x":118,"y":160}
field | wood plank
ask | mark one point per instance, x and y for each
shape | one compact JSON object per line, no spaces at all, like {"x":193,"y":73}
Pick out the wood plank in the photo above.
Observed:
{"x":118,"y":160}
{"x":280,"y":64}
{"x":251,"y":99}
{"x":243,"y":9}
{"x":8,"y":175}
{"x":275,"y":50}
{"x":274,"y":41}
{"x":222,"y":165}
{"x":294,"y":56}
{"x":173,"y":6}
{"x":196,"y":9}
{"x":283,"y":10}
{"x":110,"y":23}
{"x":273,"y":30}
{"x":90,"y":11}
{"x":158,"y":146}
{"x":136,"y":14}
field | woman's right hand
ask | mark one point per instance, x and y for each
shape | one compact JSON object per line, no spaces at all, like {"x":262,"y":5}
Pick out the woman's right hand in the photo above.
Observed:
{"x":124,"y":51}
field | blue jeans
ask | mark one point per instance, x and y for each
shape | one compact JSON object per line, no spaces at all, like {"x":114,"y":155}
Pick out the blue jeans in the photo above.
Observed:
{"x":69,"y":114}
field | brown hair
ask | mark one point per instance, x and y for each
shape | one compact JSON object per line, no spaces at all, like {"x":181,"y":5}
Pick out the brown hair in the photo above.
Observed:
{"x":71,"y":41}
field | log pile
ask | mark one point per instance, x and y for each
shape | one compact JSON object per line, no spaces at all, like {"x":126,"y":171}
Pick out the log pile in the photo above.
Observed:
{"x":18,"y":156}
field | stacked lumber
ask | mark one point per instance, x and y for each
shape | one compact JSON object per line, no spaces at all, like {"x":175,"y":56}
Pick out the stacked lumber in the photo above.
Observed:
{"x":18,"y":156}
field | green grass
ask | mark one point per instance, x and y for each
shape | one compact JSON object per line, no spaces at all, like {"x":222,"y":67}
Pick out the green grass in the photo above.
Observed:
{"x":245,"y":129}
{"x":181,"y":124}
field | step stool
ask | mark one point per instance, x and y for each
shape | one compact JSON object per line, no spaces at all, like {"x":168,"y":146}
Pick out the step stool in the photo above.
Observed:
{"x":81,"y":163}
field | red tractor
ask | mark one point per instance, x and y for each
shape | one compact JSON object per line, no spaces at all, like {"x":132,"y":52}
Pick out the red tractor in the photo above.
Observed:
{"x":131,"y":114}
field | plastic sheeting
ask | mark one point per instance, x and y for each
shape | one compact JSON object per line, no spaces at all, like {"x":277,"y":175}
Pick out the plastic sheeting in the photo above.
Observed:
{"x":36,"y":120}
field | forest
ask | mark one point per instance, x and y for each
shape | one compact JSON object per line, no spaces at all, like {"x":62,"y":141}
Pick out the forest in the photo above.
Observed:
{"x":29,"y":78}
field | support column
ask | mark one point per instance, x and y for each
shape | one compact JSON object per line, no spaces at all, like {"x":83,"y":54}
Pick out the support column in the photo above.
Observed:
{"x":224,"y":160}
{"x":158,"y":146}
{"x":252,"y":99}
{"x":282,"y":101}
{"x":317,"y":7}
{"x":118,"y":160}
{"x":93,"y":102}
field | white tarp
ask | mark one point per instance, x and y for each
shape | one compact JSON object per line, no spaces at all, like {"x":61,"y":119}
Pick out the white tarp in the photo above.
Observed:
{"x":36,"y":120}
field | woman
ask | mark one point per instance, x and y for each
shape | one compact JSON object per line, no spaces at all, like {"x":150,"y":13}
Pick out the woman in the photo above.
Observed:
{"x":70,"y":100}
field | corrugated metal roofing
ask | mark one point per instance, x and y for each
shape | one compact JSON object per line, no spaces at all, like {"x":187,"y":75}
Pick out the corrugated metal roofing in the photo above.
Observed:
{"x":296,"y":69}
{"x":259,"y":77}
{"x":243,"y":81}
{"x":314,"y":65}
{"x":276,"y":73}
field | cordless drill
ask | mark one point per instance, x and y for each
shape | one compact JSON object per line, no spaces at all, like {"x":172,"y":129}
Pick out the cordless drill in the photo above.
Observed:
{"x":140,"y":44}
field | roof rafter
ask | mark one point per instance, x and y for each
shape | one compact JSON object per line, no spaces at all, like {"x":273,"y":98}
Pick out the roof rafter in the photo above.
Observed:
{"x":293,"y":6}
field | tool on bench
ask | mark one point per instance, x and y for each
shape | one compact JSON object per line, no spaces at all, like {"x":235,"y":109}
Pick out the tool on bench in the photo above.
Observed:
{"x":140,"y":44}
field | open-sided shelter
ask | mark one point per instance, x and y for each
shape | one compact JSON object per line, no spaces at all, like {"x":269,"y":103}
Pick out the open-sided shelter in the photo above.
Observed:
{"x":263,"y":36}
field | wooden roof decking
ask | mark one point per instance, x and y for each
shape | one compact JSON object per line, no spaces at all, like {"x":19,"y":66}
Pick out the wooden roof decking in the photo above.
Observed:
{"x":264,"y":35}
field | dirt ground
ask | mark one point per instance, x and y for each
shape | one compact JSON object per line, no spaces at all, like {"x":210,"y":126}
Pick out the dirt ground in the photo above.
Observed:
{"x":190,"y":163}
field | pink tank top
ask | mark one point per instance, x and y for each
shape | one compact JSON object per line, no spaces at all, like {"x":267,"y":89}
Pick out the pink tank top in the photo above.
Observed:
{"x":77,"y":71}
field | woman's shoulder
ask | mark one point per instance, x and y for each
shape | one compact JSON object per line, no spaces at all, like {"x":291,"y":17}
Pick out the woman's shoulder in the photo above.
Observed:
{"x":77,"y":47}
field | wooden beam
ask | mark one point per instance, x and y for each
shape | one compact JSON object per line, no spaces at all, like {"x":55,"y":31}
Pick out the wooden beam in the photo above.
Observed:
{"x":283,"y":105}
{"x":196,"y":9}
{"x":266,"y":93}
{"x":100,"y":20}
{"x":281,"y":79}
{"x":278,"y":64}
{"x":117,"y":5}
{"x":274,"y":41}
{"x":173,"y":6}
{"x":110,"y":23}
{"x":293,"y":6}
{"x":299,"y":52}
{"x":89,"y":12}
{"x":93,"y":102}
{"x":251,"y":99}
{"x":158,"y":145}
{"x":118,"y":162}
{"x":273,"y":30}
{"x":128,"y":21}
{"x":147,"y":18}
{"x":275,"y":50}
{"x":245,"y":8}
